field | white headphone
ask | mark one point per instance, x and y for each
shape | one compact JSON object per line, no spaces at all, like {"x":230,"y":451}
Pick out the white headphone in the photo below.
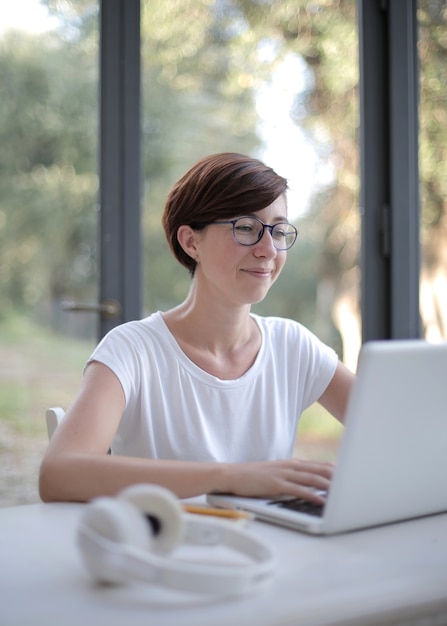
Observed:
{"x":129,"y":538}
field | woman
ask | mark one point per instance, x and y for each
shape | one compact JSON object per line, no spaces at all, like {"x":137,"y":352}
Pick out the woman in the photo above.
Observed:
{"x":205,"y":397}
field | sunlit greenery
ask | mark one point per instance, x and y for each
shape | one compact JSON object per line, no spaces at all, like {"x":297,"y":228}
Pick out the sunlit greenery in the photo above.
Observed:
{"x":199,"y":91}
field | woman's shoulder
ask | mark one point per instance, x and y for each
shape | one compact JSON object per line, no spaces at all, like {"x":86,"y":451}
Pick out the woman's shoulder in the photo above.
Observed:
{"x":137,"y":331}
{"x":136,"y":342}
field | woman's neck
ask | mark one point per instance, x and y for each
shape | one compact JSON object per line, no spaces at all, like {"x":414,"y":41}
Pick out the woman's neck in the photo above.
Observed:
{"x":222,"y":340}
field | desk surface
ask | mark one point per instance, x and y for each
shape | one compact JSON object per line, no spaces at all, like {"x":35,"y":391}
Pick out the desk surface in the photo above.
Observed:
{"x":394,"y":574}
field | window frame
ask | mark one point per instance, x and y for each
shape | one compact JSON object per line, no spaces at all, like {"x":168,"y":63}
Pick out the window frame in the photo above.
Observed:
{"x":120,"y":267}
{"x":390,"y":205}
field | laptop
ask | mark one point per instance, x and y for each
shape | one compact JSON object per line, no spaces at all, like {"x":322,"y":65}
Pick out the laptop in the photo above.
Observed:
{"x":392,"y":459}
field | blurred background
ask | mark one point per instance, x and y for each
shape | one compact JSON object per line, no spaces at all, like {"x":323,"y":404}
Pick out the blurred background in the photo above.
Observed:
{"x":276,"y":80}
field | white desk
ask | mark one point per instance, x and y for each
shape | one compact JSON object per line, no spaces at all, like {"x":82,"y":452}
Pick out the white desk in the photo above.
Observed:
{"x":395,"y":574}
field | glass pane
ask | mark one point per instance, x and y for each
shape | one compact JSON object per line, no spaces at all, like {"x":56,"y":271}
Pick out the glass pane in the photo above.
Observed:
{"x":48,"y":216}
{"x":432,"y":17}
{"x":278,"y":81}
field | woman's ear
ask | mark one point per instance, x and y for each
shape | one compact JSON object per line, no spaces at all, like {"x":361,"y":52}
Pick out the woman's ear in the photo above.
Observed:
{"x":187,"y":238}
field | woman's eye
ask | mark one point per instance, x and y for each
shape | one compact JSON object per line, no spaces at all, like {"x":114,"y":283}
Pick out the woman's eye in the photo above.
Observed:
{"x":244,"y":229}
{"x":279,"y":233}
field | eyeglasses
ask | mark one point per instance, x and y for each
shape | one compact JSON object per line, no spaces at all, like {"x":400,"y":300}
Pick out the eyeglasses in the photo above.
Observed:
{"x":247,"y":231}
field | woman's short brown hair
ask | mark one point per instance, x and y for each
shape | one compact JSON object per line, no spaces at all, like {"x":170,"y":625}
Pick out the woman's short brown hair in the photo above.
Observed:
{"x":220,"y":186}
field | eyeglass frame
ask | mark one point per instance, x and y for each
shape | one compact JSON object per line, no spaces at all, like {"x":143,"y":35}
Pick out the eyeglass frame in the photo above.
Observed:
{"x":261,"y":234}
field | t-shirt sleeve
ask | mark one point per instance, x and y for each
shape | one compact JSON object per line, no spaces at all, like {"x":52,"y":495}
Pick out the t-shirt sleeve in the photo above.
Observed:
{"x":301,"y":358}
{"x":118,"y":352}
{"x":321,"y":363}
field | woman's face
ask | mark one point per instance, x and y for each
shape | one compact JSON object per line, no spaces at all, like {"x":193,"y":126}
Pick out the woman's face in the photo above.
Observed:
{"x":240,"y":274}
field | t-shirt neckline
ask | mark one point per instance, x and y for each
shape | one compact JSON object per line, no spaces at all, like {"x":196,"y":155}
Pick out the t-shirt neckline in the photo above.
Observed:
{"x":202,"y":374}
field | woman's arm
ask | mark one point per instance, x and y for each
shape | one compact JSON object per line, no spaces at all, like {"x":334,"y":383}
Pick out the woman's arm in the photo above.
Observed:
{"x":76,"y":466}
{"x":335,"y":398}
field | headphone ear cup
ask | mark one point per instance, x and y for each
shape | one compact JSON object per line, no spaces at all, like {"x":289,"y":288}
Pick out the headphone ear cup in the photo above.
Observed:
{"x":162,"y":507}
{"x":114,"y":521}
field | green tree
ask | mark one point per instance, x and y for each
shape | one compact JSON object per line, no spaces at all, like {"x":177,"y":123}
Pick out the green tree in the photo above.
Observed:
{"x":203,"y":64}
{"x":48,"y":181}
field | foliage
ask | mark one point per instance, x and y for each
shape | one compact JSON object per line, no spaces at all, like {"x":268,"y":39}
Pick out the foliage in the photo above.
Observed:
{"x":204,"y":62}
{"x":432,"y":18}
{"x":48,"y":183}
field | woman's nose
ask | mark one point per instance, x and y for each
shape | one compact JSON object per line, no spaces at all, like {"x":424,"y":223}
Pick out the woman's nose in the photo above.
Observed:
{"x":265,"y":246}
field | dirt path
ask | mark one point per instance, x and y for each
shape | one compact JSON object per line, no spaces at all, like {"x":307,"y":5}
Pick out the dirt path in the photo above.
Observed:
{"x":19,"y":460}
{"x":36,"y":371}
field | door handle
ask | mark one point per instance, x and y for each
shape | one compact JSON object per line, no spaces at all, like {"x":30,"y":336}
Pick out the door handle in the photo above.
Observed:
{"x":107,"y":308}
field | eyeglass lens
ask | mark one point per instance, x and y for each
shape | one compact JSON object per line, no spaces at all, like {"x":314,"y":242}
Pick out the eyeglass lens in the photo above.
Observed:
{"x":248,"y":231}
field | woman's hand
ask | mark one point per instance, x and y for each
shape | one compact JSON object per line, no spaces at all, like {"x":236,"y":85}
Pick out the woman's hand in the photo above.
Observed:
{"x":291,"y":477}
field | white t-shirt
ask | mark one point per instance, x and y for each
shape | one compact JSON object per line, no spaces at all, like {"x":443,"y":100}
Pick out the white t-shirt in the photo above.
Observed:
{"x":176,"y":410}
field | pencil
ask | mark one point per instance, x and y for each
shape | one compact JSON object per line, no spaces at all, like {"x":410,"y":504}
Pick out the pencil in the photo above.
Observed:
{"x":205,"y":510}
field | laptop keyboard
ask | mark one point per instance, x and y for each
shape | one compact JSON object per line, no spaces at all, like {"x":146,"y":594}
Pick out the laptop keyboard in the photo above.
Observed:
{"x":300,"y":505}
